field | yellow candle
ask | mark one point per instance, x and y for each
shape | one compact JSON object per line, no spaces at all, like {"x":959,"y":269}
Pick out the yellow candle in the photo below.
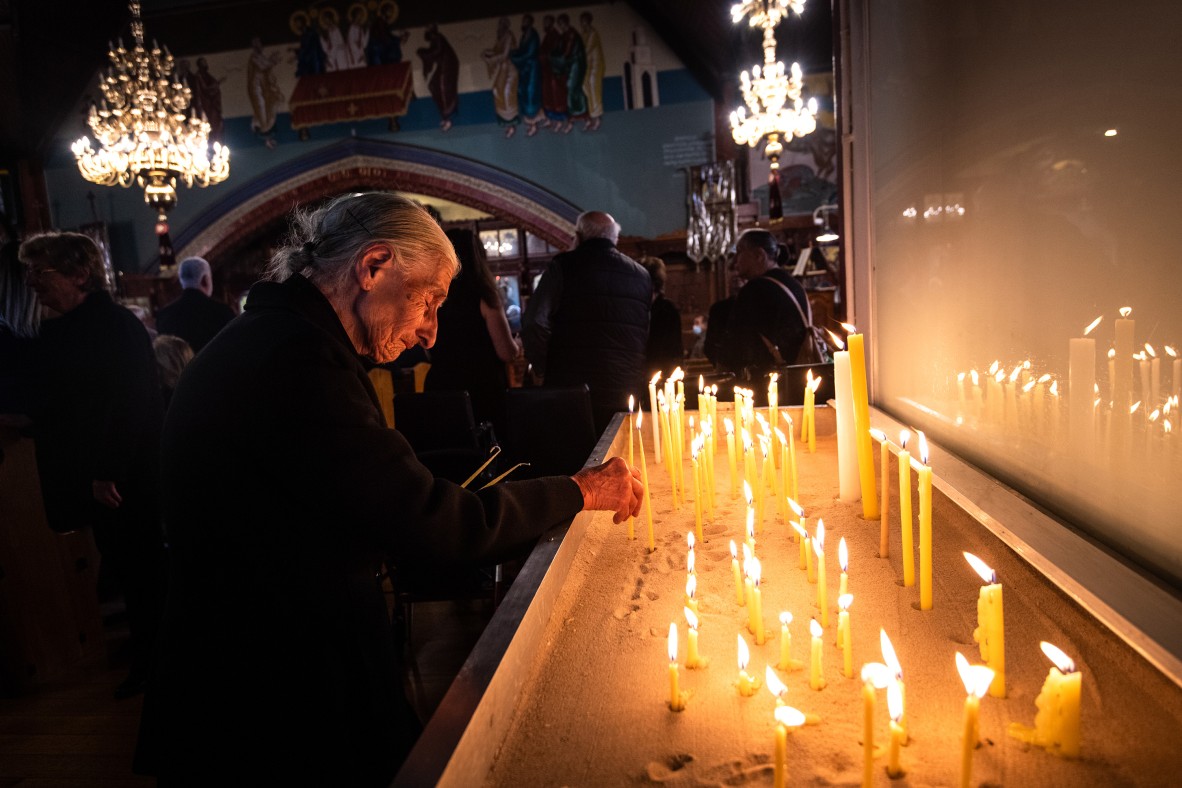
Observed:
{"x":1056,"y":725}
{"x":631,"y":460}
{"x":757,"y":602}
{"x":976,"y":680}
{"x":740,"y":597}
{"x":676,"y":698}
{"x":925,"y":527}
{"x":670,"y":458}
{"x":749,"y":477}
{"x":816,"y":679}
{"x":990,"y":631}
{"x":652,"y":398}
{"x":822,"y":590}
{"x":874,"y":676}
{"x":884,"y":462}
{"x":730,"y":455}
{"x":792,"y":459}
{"x":648,"y":500}
{"x":785,"y":485}
{"x":895,"y":671}
{"x":905,"y":509}
{"x":810,"y":564}
{"x":694,"y":448}
{"x":693,"y":660}
{"x":843,"y":560}
{"x":786,"y":717}
{"x":747,"y":683}
{"x":843,"y":624}
{"x":898,"y":737}
{"x":857,"y":351}
{"x":691,"y":590}
{"x":750,"y":518}
{"x":786,"y":661}
{"x":813,"y":385}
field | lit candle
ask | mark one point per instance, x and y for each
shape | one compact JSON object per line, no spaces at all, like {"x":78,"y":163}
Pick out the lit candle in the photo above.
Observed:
{"x":786,"y":661}
{"x":1123,"y":367}
{"x":740,"y":597}
{"x":773,"y":397}
{"x":848,"y":485}
{"x":691,"y":590}
{"x":750,"y":516}
{"x":801,"y":533}
{"x":652,"y":397}
{"x":676,"y":698}
{"x":816,"y":680}
{"x":730,"y":455}
{"x":884,"y":462}
{"x":822,"y":591}
{"x":763,"y":483}
{"x":648,"y":500}
{"x":1081,"y":380}
{"x":1176,"y":374}
{"x":1056,"y":724}
{"x":1143,"y":357}
{"x":843,"y":625}
{"x":977,"y":679}
{"x":896,"y":670}
{"x":905,"y":509}
{"x":631,"y":460}
{"x":1154,"y":374}
{"x":792,"y":458}
{"x":843,"y":560}
{"x":747,"y":683}
{"x":670,"y":457}
{"x":810,"y":563}
{"x":898,"y":737}
{"x":757,"y":602}
{"x":874,"y":676}
{"x":701,"y":397}
{"x":786,"y":717}
{"x":693,"y":660}
{"x":750,"y":480}
{"x":925,"y":527}
{"x":862,"y":421}
{"x":785,"y":483}
{"x":990,"y":631}
{"x":776,"y":687}
{"x":814,"y":383}
{"x":695,"y":447}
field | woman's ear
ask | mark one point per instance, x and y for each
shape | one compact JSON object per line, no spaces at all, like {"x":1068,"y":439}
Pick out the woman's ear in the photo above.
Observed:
{"x":374,"y":262}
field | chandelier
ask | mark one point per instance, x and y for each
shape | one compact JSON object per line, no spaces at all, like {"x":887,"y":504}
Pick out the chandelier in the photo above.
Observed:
{"x":771,"y":93}
{"x":145,"y":129}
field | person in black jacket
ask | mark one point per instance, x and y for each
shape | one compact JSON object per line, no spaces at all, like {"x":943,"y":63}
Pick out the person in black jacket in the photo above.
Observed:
{"x":97,"y":420}
{"x":194,"y":317}
{"x":588,"y":320}
{"x":277,"y":664}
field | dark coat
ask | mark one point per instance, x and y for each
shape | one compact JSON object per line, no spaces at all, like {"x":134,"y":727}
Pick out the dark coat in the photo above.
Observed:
{"x":763,"y":311}
{"x":283,"y":490}
{"x":665,"y":351}
{"x":194,"y":317}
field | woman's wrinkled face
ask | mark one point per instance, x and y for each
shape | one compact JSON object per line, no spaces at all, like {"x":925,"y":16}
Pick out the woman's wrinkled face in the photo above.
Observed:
{"x":401,"y":311}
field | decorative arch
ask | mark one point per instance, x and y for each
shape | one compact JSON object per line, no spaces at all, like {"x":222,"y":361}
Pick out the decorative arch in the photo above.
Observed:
{"x":359,"y":165}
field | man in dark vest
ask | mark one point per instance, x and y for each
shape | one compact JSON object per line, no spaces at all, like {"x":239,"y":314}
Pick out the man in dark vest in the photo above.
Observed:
{"x":587,"y":322}
{"x":194,"y":317}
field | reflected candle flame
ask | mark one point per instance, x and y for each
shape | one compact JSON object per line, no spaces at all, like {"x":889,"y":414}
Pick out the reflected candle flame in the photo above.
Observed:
{"x":785,"y":618}
{"x":1092,"y":325}
{"x":838,"y":342}
{"x":1125,"y":311}
{"x":1150,"y":351}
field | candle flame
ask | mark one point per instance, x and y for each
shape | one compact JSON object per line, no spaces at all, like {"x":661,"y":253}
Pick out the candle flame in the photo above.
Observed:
{"x":849,"y":328}
{"x":1029,"y":385}
{"x":1000,"y":376}
{"x":678,"y":374}
{"x":1045,"y":377}
{"x":1134,"y":407}
{"x":820,"y":531}
{"x":799,"y":530}
{"x":796,"y":508}
{"x":690,"y":561}
{"x":655,"y":378}
{"x":747,"y":491}
{"x":729,"y":425}
{"x":756,"y":570}
{"x":689,"y":538}
{"x":981,"y":568}
{"x":923,"y":448}
{"x":888,"y":653}
{"x":673,"y":642}
{"x":788,"y":418}
{"x":1150,"y":351}
{"x":814,"y":628}
{"x":734,"y":550}
{"x":960,"y":377}
{"x":773,"y":683}
{"x":1125,"y":311}
{"x":976,"y":678}
{"x":994,"y":367}
{"x":780,"y":436}
{"x":878,"y":434}
{"x":639,"y":419}
{"x":772,"y":378}
{"x":1064,"y":663}
{"x":631,"y":403}
{"x":895,"y":701}
{"x":843,"y":555}
{"x":1166,"y":427}
{"x":701,"y":384}
{"x":744,"y":653}
{"x":815,"y":383}
{"x":690,"y":618}
{"x":976,"y":378}
{"x":1171,"y":352}
{"x":747,"y":555}
{"x":1092,"y":325}
{"x":904,"y":436}
{"x":1054,"y":388}
{"x":845,"y":600}
{"x":838,"y":342}
{"x":789,"y":717}
{"x":1156,"y":413}
{"x":1111,"y":353}
{"x":1014,"y":375}
{"x":876,"y":675}
{"x":785,"y":618}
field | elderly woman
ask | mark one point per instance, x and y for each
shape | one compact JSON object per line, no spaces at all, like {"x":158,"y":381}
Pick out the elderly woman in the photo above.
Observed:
{"x":284,"y":490}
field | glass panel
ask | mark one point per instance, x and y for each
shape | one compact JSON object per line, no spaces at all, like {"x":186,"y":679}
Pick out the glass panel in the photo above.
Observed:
{"x":535,"y":246}
{"x":509,"y":243}
{"x":491,"y":241}
{"x":1024,"y":170}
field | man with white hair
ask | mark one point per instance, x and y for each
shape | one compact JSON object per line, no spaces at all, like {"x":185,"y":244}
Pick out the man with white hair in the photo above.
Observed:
{"x":587,"y":322}
{"x":194,"y":317}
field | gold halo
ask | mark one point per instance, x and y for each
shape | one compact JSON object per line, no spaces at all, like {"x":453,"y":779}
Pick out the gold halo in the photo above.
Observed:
{"x":393,"y":13}
{"x":291,"y":21}
{"x":364,"y":12}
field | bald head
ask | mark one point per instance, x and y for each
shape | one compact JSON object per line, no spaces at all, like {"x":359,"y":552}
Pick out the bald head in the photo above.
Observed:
{"x":194,"y":273}
{"x":596,"y":224}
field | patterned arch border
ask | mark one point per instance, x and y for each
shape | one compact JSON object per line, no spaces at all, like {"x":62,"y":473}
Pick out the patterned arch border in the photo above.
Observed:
{"x":360,"y":164}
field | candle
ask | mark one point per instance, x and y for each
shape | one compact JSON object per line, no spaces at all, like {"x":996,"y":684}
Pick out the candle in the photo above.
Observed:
{"x":747,"y":683}
{"x":990,"y":631}
{"x":676,"y":698}
{"x":792,"y":458}
{"x":670,"y":457}
{"x":816,"y":680}
{"x":1081,"y":381}
{"x":1123,"y":358}
{"x":691,"y":590}
{"x":848,"y":484}
{"x":693,"y":660}
{"x":822,"y":591}
{"x":786,"y":717}
{"x":749,"y":588}
{"x":763,"y":485}
{"x":652,"y":397}
{"x":740,"y":597}
{"x":925,"y":527}
{"x":757,"y":602}
{"x":730,"y":455}
{"x":750,"y":516}
{"x":905,"y":509}
{"x":701,"y":397}
{"x":862,"y":422}
{"x":843,"y":560}
{"x":810,"y":564}
{"x":977,"y":679}
{"x":898,"y":737}
{"x":1154,"y":374}
{"x":695,"y":447}
{"x":843,"y":626}
{"x":896,"y":670}
{"x":874,"y":676}
{"x":1056,"y":725}
{"x":648,"y":500}
{"x":1176,"y":374}
{"x":631,"y":460}
{"x":814,"y":383}
{"x":750,"y":480}
{"x":786,"y":661}
{"x":884,"y":464}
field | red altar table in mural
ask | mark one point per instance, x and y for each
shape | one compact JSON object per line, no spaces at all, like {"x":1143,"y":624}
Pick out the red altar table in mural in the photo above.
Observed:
{"x":381,"y":91}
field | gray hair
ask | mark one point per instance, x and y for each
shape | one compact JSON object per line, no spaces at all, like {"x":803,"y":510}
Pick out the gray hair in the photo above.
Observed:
{"x":190,"y":271}
{"x":324,"y":243}
{"x":596,"y":224}
{"x":20,"y":309}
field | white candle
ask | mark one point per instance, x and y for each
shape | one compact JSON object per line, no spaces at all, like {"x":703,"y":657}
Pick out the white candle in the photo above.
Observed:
{"x":848,"y":483}
{"x":1081,"y":381}
{"x":1123,"y":366}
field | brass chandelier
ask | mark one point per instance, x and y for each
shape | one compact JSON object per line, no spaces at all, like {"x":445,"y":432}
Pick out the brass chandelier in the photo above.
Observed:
{"x":771,"y":93}
{"x":145,"y":128}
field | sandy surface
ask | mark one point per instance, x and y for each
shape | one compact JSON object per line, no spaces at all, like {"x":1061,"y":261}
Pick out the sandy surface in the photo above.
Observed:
{"x":595,"y":711}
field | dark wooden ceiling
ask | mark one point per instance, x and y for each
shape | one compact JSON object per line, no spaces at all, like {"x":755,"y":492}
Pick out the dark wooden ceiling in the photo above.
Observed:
{"x":49,"y":50}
